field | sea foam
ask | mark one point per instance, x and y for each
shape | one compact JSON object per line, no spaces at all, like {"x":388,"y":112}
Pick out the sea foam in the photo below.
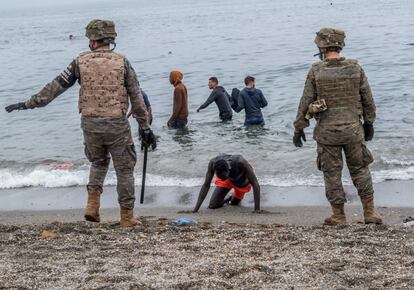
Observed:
{"x":46,"y":177}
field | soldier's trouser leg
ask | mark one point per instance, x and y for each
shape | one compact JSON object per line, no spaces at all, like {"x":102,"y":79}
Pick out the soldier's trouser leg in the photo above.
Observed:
{"x":97,"y":153}
{"x":124,"y":157}
{"x":330,"y":162}
{"x":358,"y":158}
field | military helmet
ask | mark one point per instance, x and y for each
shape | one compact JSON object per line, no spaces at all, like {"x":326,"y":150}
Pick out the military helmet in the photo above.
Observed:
{"x":330,"y":37}
{"x":100,"y":29}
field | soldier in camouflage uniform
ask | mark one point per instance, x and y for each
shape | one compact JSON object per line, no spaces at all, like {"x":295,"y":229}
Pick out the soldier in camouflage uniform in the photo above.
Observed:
{"x":338,"y":95}
{"x":108,"y":83}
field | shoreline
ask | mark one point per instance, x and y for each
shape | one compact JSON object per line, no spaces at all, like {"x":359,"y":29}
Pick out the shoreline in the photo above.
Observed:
{"x":387,"y":194}
{"x":294,"y":216}
{"x":291,"y":205}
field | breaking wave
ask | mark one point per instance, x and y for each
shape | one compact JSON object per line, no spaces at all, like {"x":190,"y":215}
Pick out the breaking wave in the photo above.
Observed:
{"x":44,"y":177}
{"x":51,"y":178}
{"x":397,"y":162}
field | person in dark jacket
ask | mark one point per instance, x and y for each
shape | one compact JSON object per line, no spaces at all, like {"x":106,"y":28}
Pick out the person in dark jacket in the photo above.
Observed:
{"x":147,"y":106}
{"x":149,"y":111}
{"x":221,"y":97}
{"x":252,"y":101}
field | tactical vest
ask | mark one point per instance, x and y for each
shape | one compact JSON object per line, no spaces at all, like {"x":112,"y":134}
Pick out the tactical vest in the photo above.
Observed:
{"x":338,"y":82}
{"x":102,"y":92}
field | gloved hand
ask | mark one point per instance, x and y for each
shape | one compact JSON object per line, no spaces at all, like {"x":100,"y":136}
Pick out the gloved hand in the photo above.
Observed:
{"x":18,"y":106}
{"x":369,"y":131}
{"x":148,"y":138}
{"x":297,"y":138}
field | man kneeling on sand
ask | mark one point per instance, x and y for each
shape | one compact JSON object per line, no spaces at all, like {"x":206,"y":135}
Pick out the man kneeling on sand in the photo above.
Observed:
{"x":233,"y":172}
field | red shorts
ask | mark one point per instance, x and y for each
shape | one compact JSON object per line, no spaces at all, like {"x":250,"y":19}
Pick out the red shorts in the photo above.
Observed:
{"x":239,"y":192}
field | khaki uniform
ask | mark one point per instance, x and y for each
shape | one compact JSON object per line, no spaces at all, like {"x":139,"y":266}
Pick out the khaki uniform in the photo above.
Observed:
{"x":108,"y":85}
{"x":344,"y":87}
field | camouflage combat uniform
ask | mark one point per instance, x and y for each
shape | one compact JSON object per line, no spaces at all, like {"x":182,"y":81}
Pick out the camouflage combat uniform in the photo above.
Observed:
{"x":343,"y":85}
{"x":108,"y":83}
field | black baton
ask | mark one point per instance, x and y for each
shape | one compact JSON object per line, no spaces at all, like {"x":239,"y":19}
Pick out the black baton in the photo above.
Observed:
{"x":144,"y":174}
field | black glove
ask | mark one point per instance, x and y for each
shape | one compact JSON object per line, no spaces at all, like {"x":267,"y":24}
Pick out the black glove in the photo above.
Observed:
{"x":297,"y":138}
{"x":148,"y":138}
{"x":369,"y":132}
{"x":18,"y":106}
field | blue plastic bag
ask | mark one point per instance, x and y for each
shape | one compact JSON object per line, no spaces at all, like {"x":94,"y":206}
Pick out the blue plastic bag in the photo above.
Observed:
{"x":184,"y":221}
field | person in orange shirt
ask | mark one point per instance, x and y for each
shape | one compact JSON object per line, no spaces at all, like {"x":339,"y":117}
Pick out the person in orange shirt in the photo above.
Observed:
{"x":179,"y":117}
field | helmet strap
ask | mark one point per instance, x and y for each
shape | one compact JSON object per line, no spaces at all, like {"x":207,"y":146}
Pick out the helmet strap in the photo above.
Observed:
{"x":90,"y":45}
{"x":109,"y":41}
{"x":114,"y":43}
{"x":321,"y":54}
{"x":104,"y":43}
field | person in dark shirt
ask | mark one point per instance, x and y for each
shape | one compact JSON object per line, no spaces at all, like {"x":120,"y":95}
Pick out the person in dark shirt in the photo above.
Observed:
{"x":221,"y":97}
{"x":147,"y":106}
{"x":252,"y":101}
{"x":149,"y":111}
{"x":232,"y":172}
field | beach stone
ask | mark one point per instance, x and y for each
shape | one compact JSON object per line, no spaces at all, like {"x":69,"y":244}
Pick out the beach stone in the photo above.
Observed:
{"x":48,"y":234}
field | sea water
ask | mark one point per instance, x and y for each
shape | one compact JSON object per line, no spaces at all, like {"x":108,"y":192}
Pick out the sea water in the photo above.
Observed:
{"x":270,"y":40}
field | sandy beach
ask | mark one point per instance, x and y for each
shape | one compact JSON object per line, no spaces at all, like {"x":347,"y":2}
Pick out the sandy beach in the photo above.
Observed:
{"x":296,"y":216}
{"x":229,"y":248}
{"x":224,"y":255}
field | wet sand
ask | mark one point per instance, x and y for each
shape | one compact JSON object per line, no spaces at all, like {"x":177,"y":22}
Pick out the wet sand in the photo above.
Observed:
{"x":293,"y":205}
{"x":299,"y":216}
{"x":388,"y":194}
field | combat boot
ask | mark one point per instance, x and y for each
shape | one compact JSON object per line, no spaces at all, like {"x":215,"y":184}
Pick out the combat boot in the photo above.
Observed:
{"x":127,"y":218}
{"x":92,"y":207}
{"x":370,"y":215}
{"x":337,"y":217}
